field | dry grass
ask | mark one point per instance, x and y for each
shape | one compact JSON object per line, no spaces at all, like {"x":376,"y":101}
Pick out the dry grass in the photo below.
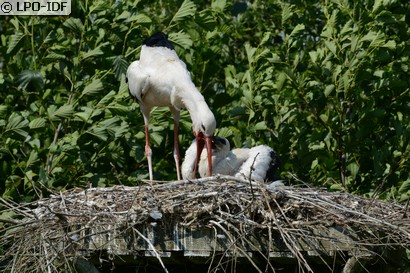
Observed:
{"x":47,"y":235}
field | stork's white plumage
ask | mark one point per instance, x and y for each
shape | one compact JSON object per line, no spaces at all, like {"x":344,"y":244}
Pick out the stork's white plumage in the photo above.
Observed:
{"x":160,"y":78}
{"x":257,"y":163}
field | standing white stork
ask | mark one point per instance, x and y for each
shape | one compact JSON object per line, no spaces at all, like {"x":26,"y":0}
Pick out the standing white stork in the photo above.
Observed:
{"x":258,"y":163}
{"x":160,"y":78}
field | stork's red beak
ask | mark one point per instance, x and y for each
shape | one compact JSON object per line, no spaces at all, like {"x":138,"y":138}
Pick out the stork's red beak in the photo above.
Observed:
{"x":201,"y":141}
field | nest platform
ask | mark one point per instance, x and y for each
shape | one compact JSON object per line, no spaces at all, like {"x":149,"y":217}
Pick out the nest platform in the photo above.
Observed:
{"x":216,"y":224}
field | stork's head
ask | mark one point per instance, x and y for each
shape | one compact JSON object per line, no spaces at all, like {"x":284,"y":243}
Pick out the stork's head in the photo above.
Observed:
{"x":159,"y":39}
{"x":220,"y":144}
{"x":204,"y":128}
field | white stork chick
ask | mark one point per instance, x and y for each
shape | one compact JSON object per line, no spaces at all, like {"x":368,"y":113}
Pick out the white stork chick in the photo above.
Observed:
{"x":160,"y":78}
{"x":257,"y":163}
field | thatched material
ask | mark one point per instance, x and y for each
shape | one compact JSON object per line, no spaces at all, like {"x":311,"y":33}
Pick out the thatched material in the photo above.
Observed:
{"x":216,"y":217}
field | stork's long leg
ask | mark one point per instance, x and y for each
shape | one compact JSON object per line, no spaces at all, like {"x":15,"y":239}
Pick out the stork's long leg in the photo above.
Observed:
{"x":148,"y":153}
{"x":177,"y":156}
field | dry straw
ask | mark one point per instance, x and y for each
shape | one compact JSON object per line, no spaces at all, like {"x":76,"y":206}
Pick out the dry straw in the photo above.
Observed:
{"x":53,"y":234}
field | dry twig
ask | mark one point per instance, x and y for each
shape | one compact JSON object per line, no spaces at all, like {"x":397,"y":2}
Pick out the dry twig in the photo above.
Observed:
{"x":50,"y":234}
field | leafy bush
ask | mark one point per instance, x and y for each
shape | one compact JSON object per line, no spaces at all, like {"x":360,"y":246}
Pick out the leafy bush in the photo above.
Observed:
{"x":325,"y":84}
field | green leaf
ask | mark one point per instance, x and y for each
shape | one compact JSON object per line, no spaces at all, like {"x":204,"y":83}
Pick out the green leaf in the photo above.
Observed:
{"x":74,"y":24}
{"x":110,"y":124}
{"x":187,"y":8}
{"x":100,"y":5}
{"x":32,"y":159}
{"x":84,"y":116}
{"x":353,"y":168}
{"x":124,"y":15}
{"x":337,"y":187}
{"x":121,"y":130}
{"x":3,"y":110}
{"x":118,"y":109}
{"x":297,"y":30}
{"x":93,"y":88}
{"x":224,"y":132}
{"x":260,"y":125}
{"x":17,"y":124}
{"x":377,"y":4}
{"x":98,"y":132}
{"x":329,"y":89}
{"x":14,"y":41}
{"x":391,"y":44}
{"x":55,"y":56}
{"x":92,"y":53}
{"x":331,"y":45}
{"x":317,"y":146}
{"x":65,"y":111}
{"x":120,"y":66}
{"x":250,"y":52}
{"x":31,"y":79}
{"x":218,"y":5}
{"x":139,"y":18}
{"x":37,"y":123}
{"x":181,"y":38}
{"x":405,"y":187}
{"x":376,"y":38}
{"x":287,"y":12}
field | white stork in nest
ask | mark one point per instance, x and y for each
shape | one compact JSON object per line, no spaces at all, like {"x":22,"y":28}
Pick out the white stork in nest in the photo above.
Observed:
{"x":160,"y":78}
{"x":258,"y":163}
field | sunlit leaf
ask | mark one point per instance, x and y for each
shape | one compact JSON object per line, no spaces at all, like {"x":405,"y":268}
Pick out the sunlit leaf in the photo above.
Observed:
{"x":98,"y":132}
{"x":139,"y":18}
{"x":93,"y":88}
{"x":187,"y":8}
{"x":353,"y":168}
{"x":218,"y":5}
{"x":92,"y":53}
{"x":3,"y":110}
{"x":99,"y":5}
{"x":260,"y":125}
{"x":329,"y":89}
{"x":17,"y":124}
{"x":124,"y":15}
{"x":37,"y":123}
{"x":405,"y":187}
{"x":14,"y":41}
{"x":31,"y":79}
{"x":287,"y":12}
{"x":331,"y":45}
{"x":65,"y":111}
{"x":120,"y":66}
{"x":376,"y":38}
{"x":297,"y":30}
{"x":180,"y":38}
{"x":74,"y":24}
{"x":32,"y":159}
{"x":377,"y":4}
{"x":391,"y":44}
{"x":250,"y":52}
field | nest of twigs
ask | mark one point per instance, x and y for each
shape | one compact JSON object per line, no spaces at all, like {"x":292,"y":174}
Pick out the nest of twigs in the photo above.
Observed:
{"x":50,"y":234}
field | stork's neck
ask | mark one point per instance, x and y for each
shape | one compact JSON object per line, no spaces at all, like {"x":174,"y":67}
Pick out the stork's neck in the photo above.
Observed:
{"x":195,"y":103}
{"x":155,"y":54}
{"x":202,"y":117}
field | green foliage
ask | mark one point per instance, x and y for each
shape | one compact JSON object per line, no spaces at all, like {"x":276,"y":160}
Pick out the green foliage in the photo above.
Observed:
{"x":326,"y":84}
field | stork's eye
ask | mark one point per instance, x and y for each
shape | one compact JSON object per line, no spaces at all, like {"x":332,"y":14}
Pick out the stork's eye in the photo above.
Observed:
{"x":203,"y":127}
